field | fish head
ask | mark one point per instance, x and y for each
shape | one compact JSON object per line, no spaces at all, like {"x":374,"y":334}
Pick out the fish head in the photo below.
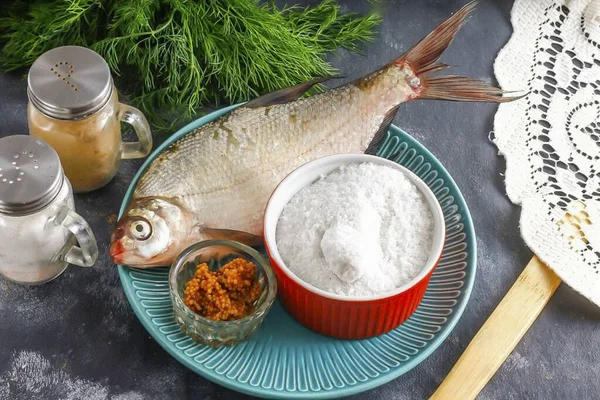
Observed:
{"x":149,"y":233}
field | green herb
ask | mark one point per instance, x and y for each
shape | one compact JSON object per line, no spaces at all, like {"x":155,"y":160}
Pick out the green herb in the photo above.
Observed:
{"x":179,"y":55}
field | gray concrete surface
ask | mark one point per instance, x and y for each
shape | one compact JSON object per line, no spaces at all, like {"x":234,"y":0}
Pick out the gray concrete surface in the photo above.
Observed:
{"x":78,"y":338}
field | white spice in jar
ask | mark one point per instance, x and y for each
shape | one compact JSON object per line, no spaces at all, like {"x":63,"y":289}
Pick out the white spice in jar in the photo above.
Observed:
{"x":362,"y":230}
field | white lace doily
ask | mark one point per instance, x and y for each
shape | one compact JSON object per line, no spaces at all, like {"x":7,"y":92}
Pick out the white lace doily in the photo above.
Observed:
{"x":551,"y":138}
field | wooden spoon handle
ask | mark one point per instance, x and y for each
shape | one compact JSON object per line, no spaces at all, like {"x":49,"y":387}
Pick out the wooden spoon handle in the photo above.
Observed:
{"x":501,"y":332}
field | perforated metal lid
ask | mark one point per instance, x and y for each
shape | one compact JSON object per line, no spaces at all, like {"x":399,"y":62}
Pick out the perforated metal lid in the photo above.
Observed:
{"x":69,"y":82}
{"x":30,"y":175}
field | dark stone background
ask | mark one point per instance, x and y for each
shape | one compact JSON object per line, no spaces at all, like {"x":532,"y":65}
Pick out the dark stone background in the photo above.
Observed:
{"x":77,"y":337}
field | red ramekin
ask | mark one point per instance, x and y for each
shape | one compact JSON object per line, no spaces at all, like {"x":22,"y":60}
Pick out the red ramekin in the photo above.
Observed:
{"x":342,"y":316}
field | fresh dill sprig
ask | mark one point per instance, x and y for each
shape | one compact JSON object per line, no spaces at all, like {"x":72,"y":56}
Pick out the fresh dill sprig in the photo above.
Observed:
{"x":171,"y":57}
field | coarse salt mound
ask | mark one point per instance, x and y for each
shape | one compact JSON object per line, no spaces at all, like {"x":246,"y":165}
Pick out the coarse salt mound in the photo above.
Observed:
{"x":362,"y":230}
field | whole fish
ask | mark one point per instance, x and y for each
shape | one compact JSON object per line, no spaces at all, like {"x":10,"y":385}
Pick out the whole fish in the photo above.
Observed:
{"x":215,"y":181}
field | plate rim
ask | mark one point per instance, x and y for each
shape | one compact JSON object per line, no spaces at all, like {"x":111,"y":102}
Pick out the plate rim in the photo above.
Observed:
{"x":360,"y":387}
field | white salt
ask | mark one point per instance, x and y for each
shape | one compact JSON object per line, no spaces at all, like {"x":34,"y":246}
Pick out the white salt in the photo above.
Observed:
{"x":362,"y":230}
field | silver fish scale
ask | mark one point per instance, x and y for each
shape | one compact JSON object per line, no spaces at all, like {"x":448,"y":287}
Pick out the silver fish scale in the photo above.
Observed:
{"x":225,"y":171}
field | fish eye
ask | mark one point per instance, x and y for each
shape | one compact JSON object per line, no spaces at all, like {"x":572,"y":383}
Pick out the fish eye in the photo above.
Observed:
{"x":140,"y":229}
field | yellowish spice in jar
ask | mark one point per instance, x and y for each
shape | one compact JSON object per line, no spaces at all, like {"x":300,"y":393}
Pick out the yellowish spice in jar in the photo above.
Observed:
{"x":89,"y":148}
{"x":74,"y":107}
{"x":223,"y":295}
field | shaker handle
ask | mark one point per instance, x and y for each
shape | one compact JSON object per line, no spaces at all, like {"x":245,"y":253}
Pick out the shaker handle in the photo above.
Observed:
{"x":136,"y":119}
{"x":86,"y":254}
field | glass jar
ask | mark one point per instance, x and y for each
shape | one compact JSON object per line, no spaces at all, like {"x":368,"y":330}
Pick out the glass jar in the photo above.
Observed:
{"x":40,"y":232}
{"x":74,"y":107}
{"x":217,"y":253}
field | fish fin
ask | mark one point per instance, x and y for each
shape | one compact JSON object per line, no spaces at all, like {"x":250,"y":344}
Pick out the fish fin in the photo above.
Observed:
{"x":229,"y":234}
{"x":423,"y":57}
{"x":382,"y":131}
{"x":425,"y":53}
{"x":460,"y":88}
{"x":285,"y":95}
{"x":218,"y":252}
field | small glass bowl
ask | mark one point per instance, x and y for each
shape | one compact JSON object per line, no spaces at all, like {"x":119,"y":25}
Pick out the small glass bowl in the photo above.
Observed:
{"x":217,"y":253}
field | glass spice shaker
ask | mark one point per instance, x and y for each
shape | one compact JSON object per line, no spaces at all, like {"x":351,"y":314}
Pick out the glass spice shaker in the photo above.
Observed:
{"x":40,"y":232}
{"x":74,"y":107}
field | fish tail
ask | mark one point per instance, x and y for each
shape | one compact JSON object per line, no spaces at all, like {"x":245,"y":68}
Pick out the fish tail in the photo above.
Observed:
{"x":422,"y":59}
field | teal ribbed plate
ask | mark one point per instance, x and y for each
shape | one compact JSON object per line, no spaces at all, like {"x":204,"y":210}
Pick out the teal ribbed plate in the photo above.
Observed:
{"x":285,"y":360}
